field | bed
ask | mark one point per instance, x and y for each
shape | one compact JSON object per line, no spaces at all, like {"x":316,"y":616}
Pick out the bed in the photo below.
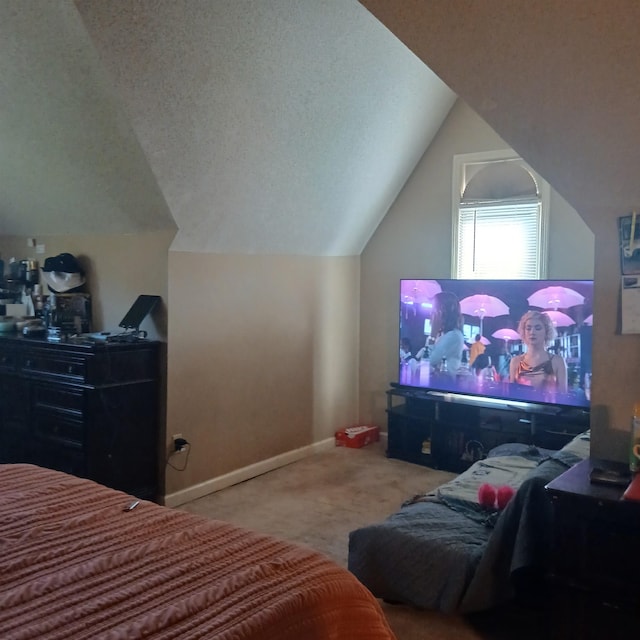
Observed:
{"x":444,"y":551}
{"x":76,"y":564}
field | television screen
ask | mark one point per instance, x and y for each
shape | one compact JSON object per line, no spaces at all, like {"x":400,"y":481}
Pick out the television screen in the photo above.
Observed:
{"x":549,"y":362}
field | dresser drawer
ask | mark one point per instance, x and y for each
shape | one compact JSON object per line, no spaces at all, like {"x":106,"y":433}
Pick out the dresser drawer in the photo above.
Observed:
{"x":58,"y":429}
{"x":41,"y":363}
{"x":66,"y":399}
{"x":62,"y":458}
{"x":8,"y":361}
{"x":14,"y":404}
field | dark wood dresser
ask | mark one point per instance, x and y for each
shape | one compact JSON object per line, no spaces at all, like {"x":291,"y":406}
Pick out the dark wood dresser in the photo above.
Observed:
{"x":87,"y":408}
{"x":596,"y":558}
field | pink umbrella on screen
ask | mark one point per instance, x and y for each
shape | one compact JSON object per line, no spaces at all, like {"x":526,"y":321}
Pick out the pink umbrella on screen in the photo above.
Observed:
{"x":560,"y":319}
{"x":555,"y":298}
{"x":589,"y":320}
{"x":416,"y":292}
{"x":506,"y":334}
{"x":483,"y":306}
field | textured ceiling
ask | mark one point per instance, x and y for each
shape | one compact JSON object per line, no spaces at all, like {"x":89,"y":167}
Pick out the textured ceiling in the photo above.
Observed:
{"x":69,"y":160}
{"x":271,"y":126}
{"x":289,"y":126}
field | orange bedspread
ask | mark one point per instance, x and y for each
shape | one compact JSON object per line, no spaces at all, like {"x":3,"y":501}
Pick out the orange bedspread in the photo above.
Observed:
{"x":74,"y":565}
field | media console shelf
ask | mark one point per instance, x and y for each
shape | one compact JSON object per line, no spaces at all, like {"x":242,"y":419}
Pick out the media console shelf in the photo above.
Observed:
{"x":451,"y":431}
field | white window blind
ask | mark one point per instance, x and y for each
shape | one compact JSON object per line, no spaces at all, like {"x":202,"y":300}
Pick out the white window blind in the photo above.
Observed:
{"x":499,"y":239}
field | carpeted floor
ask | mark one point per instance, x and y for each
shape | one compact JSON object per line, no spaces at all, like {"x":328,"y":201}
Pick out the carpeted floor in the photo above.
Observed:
{"x":319,"y":500}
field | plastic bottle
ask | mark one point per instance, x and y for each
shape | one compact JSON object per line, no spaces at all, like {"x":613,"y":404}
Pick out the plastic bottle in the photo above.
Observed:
{"x":634,"y":447}
{"x":51,"y":313}
{"x":38,"y":301}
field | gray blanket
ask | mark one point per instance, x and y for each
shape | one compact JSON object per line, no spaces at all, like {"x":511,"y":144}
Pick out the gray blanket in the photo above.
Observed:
{"x":424,"y":555}
{"x":518,"y":551}
{"x":433,"y":556}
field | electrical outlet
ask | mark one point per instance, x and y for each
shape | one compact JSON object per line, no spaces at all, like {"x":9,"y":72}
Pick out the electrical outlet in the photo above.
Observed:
{"x":179,"y":443}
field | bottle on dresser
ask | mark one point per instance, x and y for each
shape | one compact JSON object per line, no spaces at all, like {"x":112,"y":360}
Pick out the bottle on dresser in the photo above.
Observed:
{"x":38,"y":301}
{"x":54,"y":334}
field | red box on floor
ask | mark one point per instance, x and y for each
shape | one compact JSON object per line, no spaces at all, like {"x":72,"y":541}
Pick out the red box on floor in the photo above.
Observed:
{"x":356,"y":437}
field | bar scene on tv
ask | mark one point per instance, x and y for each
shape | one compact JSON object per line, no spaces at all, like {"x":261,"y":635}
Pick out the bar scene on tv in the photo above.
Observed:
{"x":514,"y":340}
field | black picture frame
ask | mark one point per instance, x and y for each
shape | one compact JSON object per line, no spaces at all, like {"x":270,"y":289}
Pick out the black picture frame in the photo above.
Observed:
{"x":139,"y":310}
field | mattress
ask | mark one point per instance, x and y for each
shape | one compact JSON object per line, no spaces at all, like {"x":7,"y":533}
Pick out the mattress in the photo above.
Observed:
{"x":75,"y":564}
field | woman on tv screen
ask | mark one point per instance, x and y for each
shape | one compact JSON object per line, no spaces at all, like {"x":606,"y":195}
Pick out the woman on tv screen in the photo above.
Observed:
{"x":446,"y":328}
{"x":537,"y":367}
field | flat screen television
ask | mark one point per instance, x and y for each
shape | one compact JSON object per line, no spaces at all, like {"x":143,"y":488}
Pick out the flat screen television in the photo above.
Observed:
{"x":492,"y":309}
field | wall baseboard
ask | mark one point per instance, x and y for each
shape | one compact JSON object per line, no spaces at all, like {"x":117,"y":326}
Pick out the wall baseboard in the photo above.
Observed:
{"x":245,"y":473}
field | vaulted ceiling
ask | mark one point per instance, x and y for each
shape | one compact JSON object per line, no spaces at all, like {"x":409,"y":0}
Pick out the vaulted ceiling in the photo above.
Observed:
{"x":275,"y":126}
{"x":289,"y":126}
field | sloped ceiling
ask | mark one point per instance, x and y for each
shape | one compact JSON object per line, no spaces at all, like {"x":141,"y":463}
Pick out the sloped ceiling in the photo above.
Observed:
{"x":274,"y":127}
{"x":69,"y":160}
{"x":557,"y":80}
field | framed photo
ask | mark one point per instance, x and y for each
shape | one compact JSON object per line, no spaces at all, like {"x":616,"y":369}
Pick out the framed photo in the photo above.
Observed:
{"x":629,"y":229}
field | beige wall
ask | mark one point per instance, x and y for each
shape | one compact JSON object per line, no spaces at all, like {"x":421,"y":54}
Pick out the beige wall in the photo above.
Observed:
{"x":262,"y":350}
{"x":262,"y":358}
{"x":615,"y":385}
{"x":414,"y":241}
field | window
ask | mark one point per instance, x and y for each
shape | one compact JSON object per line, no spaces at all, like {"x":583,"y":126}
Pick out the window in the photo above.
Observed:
{"x":499,"y":218}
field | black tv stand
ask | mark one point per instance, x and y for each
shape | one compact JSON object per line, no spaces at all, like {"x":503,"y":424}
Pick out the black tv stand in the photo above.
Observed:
{"x":451,"y":431}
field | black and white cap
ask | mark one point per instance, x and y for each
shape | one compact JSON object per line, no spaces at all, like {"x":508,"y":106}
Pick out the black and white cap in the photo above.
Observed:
{"x":62,"y":273}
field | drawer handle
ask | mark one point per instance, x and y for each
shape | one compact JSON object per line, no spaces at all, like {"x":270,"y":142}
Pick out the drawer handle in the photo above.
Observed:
{"x":70,"y":369}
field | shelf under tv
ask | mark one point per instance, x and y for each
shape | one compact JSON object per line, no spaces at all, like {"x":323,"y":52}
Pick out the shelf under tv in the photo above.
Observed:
{"x":434,"y":428}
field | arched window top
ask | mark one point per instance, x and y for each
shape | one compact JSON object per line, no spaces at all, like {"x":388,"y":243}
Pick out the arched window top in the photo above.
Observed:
{"x":498,"y":202}
{"x":501,"y":180}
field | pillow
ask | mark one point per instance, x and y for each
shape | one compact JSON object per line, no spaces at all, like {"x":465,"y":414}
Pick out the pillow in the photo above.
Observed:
{"x":528,"y":451}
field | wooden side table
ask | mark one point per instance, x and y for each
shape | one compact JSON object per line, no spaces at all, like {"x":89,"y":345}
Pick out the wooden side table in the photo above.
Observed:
{"x":595,"y":563}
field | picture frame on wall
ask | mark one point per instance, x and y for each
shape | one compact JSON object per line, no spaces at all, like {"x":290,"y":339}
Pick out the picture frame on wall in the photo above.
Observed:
{"x":629,"y":233}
